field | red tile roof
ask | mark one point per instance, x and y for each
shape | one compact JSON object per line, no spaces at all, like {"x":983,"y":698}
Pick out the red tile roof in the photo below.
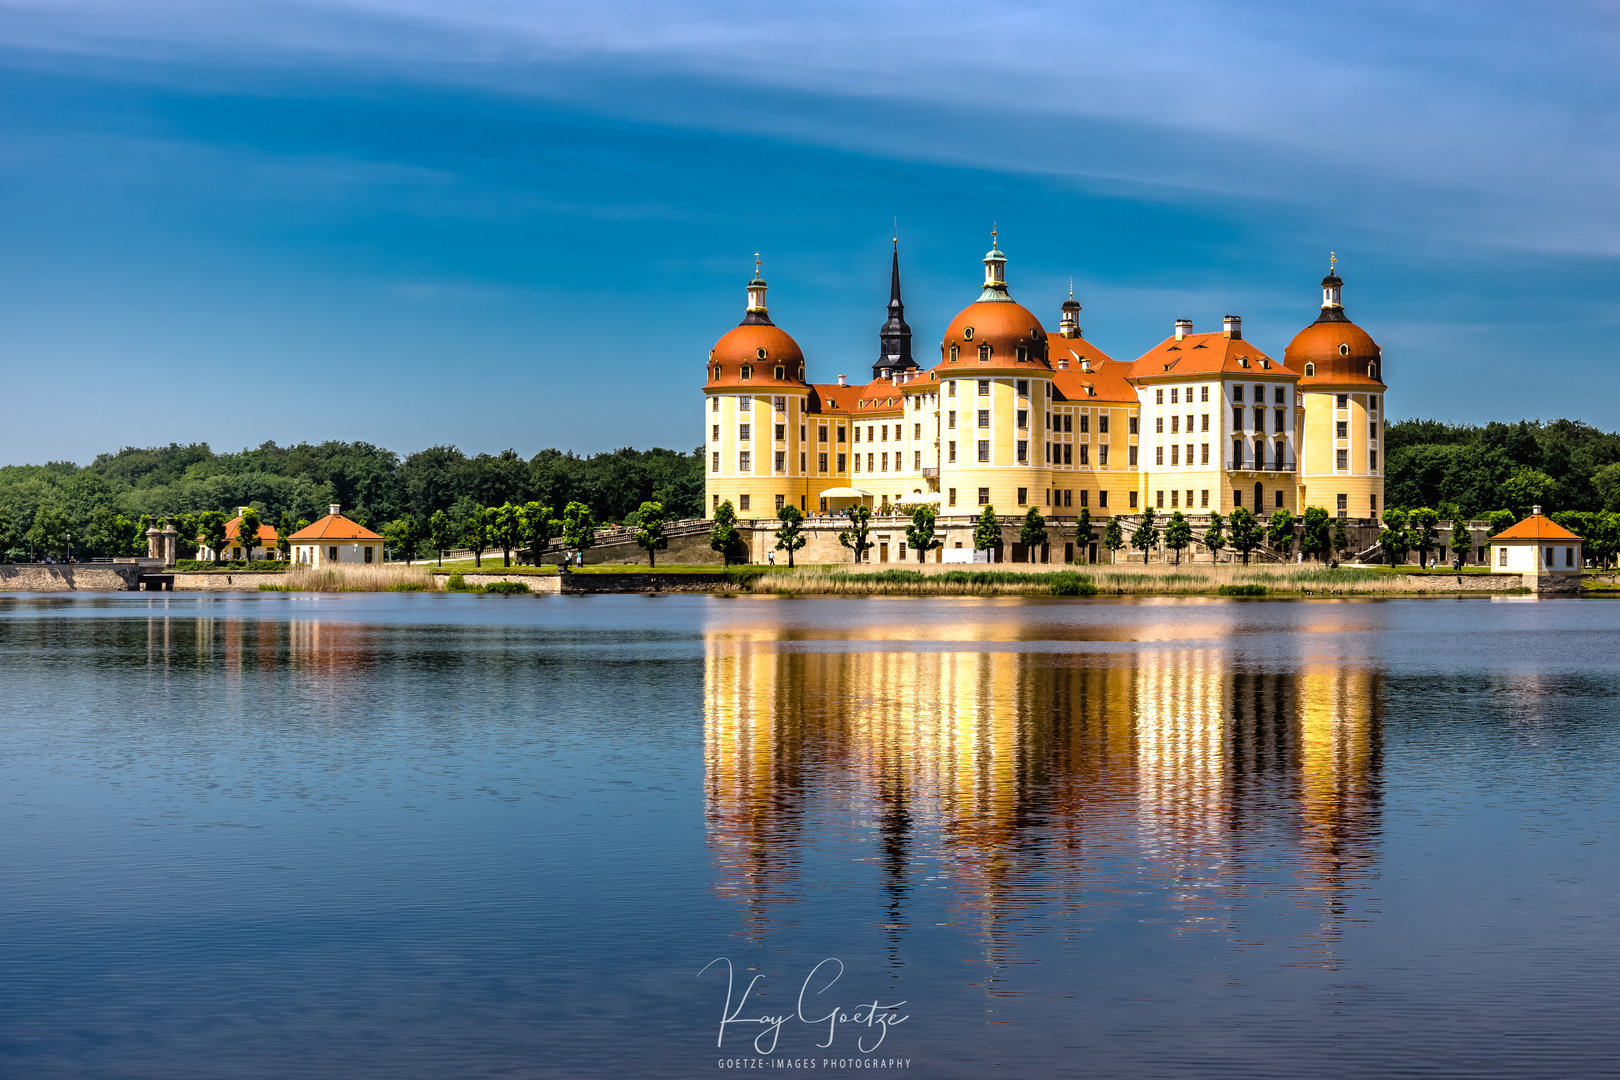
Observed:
{"x":334,"y":527}
{"x":267,"y":532}
{"x":1536,"y":527}
{"x":1206,"y":354}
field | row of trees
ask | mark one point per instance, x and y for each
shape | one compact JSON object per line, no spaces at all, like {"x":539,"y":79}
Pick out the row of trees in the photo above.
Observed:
{"x":510,"y":528}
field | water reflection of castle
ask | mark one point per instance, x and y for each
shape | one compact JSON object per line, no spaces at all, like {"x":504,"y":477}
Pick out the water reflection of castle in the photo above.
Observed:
{"x":1029,"y":775}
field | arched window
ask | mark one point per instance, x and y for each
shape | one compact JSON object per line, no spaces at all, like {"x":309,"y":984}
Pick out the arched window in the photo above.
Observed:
{"x":747,"y":371}
{"x":955,"y":352}
{"x":1310,"y":370}
{"x":778,"y":372}
{"x":717,"y":373}
{"x":1020,"y":354}
{"x":1372,"y":371}
{"x":984,"y":353}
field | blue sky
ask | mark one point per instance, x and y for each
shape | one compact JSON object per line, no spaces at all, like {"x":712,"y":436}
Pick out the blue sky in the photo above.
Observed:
{"x":506,"y":224}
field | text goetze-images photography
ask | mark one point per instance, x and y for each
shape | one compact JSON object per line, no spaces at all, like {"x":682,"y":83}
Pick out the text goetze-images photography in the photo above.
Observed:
{"x":630,"y":540}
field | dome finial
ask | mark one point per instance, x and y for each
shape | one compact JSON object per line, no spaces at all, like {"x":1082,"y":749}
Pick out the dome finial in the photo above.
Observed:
{"x":1332,"y":261}
{"x":995,"y":271}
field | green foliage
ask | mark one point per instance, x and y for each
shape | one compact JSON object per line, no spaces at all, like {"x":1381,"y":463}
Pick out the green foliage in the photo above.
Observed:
{"x":475,"y":529}
{"x":1423,"y":532}
{"x":285,"y":527}
{"x":404,"y":535}
{"x":1461,"y":552}
{"x":987,"y":530}
{"x":108,"y":534}
{"x":1428,"y":463}
{"x":1215,"y":536}
{"x":441,"y":537}
{"x":1245,"y":532}
{"x":539,"y":527}
{"x":1146,"y":534}
{"x":1341,"y":536}
{"x":723,"y":536}
{"x":1068,"y":583}
{"x":1500,"y":519}
{"x":1315,"y":536}
{"x":49,"y":533}
{"x":1393,"y":537}
{"x":457,"y":583}
{"x":1280,"y":533}
{"x":855,"y":535}
{"x":211,"y":531}
{"x":1177,"y":535}
{"x":506,"y":588}
{"x":650,"y":532}
{"x":403,"y":586}
{"x":1602,"y":537}
{"x":1113,"y":537}
{"x":1032,"y":533}
{"x":578,"y":527}
{"x":506,"y":529}
{"x":1528,"y":488}
{"x":247,"y":531}
{"x":920,"y":533}
{"x":191,"y":566}
{"x":1241,"y":590}
{"x":1083,"y":532}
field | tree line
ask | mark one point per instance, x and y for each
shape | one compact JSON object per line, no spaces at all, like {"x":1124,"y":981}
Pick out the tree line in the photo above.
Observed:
{"x":104,"y":508}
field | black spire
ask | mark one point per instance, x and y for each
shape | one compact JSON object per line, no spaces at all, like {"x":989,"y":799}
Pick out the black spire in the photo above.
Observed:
{"x":894,"y":349}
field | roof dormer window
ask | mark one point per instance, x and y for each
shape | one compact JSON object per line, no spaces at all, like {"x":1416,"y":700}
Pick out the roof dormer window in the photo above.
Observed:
{"x":984,"y":353}
{"x":760,"y":354}
{"x":779,"y":371}
{"x":1310,"y":371}
{"x":967,"y":333}
{"x":747,"y":371}
{"x":956,"y":351}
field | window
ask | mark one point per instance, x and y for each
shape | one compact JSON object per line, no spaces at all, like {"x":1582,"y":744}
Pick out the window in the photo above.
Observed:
{"x":1237,"y":393}
{"x":745,"y":404}
{"x":1341,"y":429}
{"x":1372,"y":461}
{"x":716,"y":437}
{"x":1175,"y":396}
{"x":1342,"y":460}
{"x":840,"y":432}
{"x":1237,"y":453}
{"x":952,"y":446}
{"x":1203,"y":425}
{"x":917,"y":464}
{"x":779,"y":501}
{"x":1203,"y":498}
{"x":984,"y":449}
{"x":1237,"y":418}
{"x":950,"y":496}
{"x":1158,"y":396}
{"x":748,"y":371}
{"x":984,"y":496}
{"x":1279,"y":503}
{"x":1372,"y":403}
{"x":1237,"y":497}
{"x":1132,"y":500}
{"x":1203,"y":453}
{"x":1203,"y":394}
{"x":1023,"y":450}
{"x":781,"y":402}
{"x":1023,"y":388}
{"x":869,"y":435}
{"x":1132,"y":425}
{"x":716,"y":466}
{"x":781,"y":432}
{"x":1501,"y":556}
{"x":1102,"y":424}
{"x":821,"y":433}
{"x":841,"y":465}
{"x":1547,"y":560}
{"x":1175,"y":425}
{"x":1569,"y":556}
{"x":984,"y":354}
{"x":1158,"y":455}
{"x":984,"y":387}
{"x":1343,"y":501}
{"x":950,"y":388}
{"x":714,"y":402}
{"x":717,"y":502}
{"x":821,"y":463}
{"x":984,"y":417}
{"x":916,"y":431}
{"x":956,"y":351}
{"x":1102,"y":500}
{"x":331,"y":554}
{"x":1158,"y":500}
{"x":1375,"y":505}
{"x":1344,"y":401}
{"x":967,"y":333}
{"x":1023,"y":418}
{"x":742,"y":502}
{"x":1158,"y":425}
{"x":1277,"y":421}
{"x":743,"y":431}
{"x":1259,"y":419}
{"x":1085,"y":498}
{"x":950,"y":419}
{"x":1023,"y":496}
{"x":1085,"y":423}
{"x":1372,"y":431}
{"x":1310,"y":371}
{"x":781,"y":461}
{"x":885,"y":430}
{"x":870,"y":459}
{"x":1133,"y":457}
{"x":743,"y":462}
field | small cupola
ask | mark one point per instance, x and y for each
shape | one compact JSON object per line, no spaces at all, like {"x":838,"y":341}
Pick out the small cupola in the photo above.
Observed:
{"x":995,"y":272}
{"x":1069,"y":324}
{"x":757,"y":311}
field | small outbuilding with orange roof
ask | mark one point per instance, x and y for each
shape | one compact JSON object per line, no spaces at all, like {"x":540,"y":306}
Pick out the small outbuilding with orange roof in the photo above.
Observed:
{"x":263,"y":548}
{"x":1536,"y":546}
{"x":333,"y":540}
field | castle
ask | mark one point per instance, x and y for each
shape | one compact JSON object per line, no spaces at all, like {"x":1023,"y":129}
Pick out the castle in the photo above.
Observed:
{"x":1015,"y":416}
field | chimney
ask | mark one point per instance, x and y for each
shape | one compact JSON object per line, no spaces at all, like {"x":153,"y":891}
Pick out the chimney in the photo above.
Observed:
{"x":843,"y":380}
{"x":333,"y":509}
{"x":1233,"y":327}
{"x":1535,"y":511}
{"x":1183,"y":328}
{"x":240,"y":510}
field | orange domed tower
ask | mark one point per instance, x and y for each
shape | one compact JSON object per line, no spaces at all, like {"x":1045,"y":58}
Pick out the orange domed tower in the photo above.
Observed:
{"x":995,"y":394}
{"x":1342,"y":392}
{"x":758,"y":399}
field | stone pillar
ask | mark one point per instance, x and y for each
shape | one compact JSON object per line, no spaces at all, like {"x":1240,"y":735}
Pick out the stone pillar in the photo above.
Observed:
{"x":154,"y":543}
{"x":171,"y":543}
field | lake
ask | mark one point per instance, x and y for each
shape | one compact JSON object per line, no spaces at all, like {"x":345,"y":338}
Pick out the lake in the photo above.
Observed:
{"x":396,"y":835}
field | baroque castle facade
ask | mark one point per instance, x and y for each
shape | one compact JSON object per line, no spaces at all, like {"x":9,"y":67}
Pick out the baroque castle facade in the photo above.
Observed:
{"x":1015,"y":416}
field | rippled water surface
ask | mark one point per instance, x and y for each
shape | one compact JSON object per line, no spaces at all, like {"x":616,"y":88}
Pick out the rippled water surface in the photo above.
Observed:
{"x":473,"y":836}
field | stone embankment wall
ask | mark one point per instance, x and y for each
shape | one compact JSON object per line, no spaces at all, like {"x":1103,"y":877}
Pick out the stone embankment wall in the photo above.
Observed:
{"x":72,"y":577}
{"x":225,"y":582}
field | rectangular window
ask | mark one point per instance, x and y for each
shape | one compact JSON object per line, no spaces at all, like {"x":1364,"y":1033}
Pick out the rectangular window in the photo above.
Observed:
{"x":1372,"y":461}
{"x":984,"y":449}
{"x":885,"y":430}
{"x":917,"y":429}
{"x":1158,"y":425}
{"x":840,"y":432}
{"x":1203,"y":497}
{"x":1569,"y":557}
{"x":1023,"y":388}
{"x":984,"y":417}
{"x":1343,"y":501}
{"x":1259,"y":419}
{"x":1279,"y":503}
{"x":821,"y":433}
{"x":917,"y":464}
{"x":870,"y":459}
{"x":743,"y":431}
{"x":1175,"y":396}
{"x":1204,"y":423}
{"x":744,"y":461}
{"x":984,"y":496}
{"x":1023,"y":496}
{"x":716,"y":466}
{"x":714,"y":404}
{"x":1133,"y":457}
{"x":950,"y":419}
{"x":870,"y":436}
{"x":780,"y":500}
{"x":717,"y":502}
{"x":984,"y":387}
{"x":952,"y":445}
{"x":1277,"y":421}
{"x":1237,"y":393}
{"x":1341,"y":429}
{"x":950,"y":388}
{"x":1175,"y":425}
{"x":1102,"y":454}
{"x":841,"y":465}
{"x":1053,"y":454}
{"x":745,"y":404}
{"x":1501,"y":556}
{"x":1372,"y":403}
{"x":1203,"y":453}
{"x":1023,"y":418}
{"x":716,"y":437}
{"x":1158,"y":455}
{"x":1237,"y":453}
{"x":1132,"y":426}
{"x":1237,"y":418}
{"x":1342,"y":460}
{"x":1102,"y":500}
{"x":1175,"y":500}
{"x":821,"y":463}
{"x":1372,"y":431}
{"x":1132,"y":500}
{"x":886,"y":462}
{"x":951,"y":497}
{"x":1344,"y":401}
{"x":1023,"y":450}
{"x":1237,"y":497}
{"x":781,"y":432}
{"x":1158,"y":396}
{"x":1085,"y":497}
{"x":331,"y":554}
{"x":1102,"y":424}
{"x":781,"y":404}
{"x":742,"y":502}
{"x":781,"y":461}
{"x":1203,"y":393}
{"x":368,"y":554}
